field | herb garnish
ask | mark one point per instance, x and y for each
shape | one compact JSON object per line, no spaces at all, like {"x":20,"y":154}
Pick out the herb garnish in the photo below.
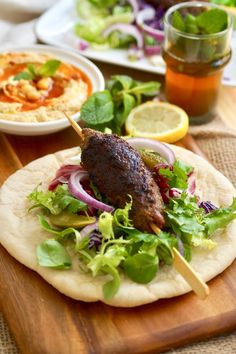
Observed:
{"x":34,"y":72}
{"x":207,"y":22}
{"x":111,"y":107}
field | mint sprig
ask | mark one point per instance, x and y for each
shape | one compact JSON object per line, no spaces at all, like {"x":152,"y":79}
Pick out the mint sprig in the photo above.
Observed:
{"x":207,"y":22}
{"x":111,"y":107}
{"x":33,"y":72}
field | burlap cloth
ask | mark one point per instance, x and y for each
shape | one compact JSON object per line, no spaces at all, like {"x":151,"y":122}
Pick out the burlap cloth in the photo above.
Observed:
{"x":218,"y":142}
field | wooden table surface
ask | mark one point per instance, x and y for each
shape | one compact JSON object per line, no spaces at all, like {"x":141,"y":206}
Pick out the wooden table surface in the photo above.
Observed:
{"x":35,"y":324}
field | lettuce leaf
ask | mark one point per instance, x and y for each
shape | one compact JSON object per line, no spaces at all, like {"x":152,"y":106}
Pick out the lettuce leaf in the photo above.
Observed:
{"x":56,"y":201}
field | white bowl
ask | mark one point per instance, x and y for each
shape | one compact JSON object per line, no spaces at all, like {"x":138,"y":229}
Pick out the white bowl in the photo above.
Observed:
{"x":41,"y":128}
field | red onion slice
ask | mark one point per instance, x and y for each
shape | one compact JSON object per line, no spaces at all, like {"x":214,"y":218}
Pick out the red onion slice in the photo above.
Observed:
{"x":134,"y":5}
{"x":152,"y":50}
{"x":154,"y":145}
{"x":63,"y":175}
{"x":77,"y":191}
{"x":191,"y":184}
{"x":149,"y":14}
{"x":88,"y":229}
{"x":128,"y":29}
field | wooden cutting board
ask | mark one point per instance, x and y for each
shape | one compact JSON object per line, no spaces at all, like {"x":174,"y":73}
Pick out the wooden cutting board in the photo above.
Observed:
{"x":43,"y":321}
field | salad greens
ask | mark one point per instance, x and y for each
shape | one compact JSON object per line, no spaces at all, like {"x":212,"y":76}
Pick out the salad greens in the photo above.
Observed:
{"x":114,"y":246}
{"x":54,"y":202}
{"x":34,"y":72}
{"x":52,"y":254}
{"x":111,"y":107}
{"x":96,"y":16}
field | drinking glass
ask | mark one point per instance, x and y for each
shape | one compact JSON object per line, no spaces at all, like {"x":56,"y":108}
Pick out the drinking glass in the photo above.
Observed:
{"x":195,"y":63}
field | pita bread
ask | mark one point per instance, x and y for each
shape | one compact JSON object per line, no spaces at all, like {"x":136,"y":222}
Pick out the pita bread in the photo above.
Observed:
{"x":21,"y":233}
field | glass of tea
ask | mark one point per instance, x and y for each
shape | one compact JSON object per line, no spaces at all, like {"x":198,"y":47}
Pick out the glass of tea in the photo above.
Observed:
{"x":196,"y":49}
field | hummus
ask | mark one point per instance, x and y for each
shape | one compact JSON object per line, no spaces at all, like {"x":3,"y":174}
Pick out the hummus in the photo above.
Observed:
{"x":43,"y":98}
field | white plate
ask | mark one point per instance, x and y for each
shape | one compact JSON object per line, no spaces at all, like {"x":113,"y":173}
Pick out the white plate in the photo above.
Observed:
{"x":85,"y":65}
{"x":56,"y":27}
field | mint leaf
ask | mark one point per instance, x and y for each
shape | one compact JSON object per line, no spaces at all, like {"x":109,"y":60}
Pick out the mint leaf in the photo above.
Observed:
{"x":53,"y":255}
{"x":212,"y":21}
{"x":191,"y":24}
{"x":111,"y":107}
{"x":24,"y":75}
{"x":49,"y":68}
{"x":119,"y":83}
{"x":32,"y":70}
{"x":178,"y":22}
{"x":98,"y":109}
{"x":122,"y":110}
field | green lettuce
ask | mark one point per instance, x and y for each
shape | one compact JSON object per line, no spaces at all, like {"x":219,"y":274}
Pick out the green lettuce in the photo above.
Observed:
{"x":56,"y":201}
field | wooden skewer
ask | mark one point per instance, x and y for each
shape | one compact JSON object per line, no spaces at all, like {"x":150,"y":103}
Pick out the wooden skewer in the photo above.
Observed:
{"x":75,"y":126}
{"x":187,"y":272}
{"x":180,"y":264}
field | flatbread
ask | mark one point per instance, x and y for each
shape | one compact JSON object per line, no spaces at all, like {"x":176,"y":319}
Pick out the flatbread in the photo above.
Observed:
{"x":21,"y":233}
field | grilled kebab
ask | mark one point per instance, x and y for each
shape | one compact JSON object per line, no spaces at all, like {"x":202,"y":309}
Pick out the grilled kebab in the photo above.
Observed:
{"x":118,"y":171}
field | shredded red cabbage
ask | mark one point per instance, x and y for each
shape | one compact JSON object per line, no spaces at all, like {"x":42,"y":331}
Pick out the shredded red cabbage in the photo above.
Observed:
{"x":207,"y":206}
{"x":95,"y":240}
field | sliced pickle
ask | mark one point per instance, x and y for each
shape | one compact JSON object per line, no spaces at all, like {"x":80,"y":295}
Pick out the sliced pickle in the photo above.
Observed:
{"x":65,"y":219}
{"x":151,"y":158}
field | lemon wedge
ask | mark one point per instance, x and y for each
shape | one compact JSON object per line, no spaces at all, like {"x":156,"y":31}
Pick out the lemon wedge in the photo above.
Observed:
{"x":158,"y":120}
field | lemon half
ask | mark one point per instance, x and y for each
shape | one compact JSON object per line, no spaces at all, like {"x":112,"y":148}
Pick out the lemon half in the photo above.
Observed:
{"x":158,"y":120}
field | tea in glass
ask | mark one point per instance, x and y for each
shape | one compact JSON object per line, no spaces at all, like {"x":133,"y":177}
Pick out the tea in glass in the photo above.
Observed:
{"x":195,"y":61}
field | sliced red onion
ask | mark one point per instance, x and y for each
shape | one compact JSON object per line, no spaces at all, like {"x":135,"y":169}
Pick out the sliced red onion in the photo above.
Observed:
{"x":88,"y":229}
{"x":135,"y":53}
{"x":135,"y":6}
{"x":152,"y":50}
{"x":82,"y":44}
{"x":174,"y":193}
{"x":63,"y":174}
{"x":191,"y":183}
{"x":154,"y":145}
{"x":77,"y":191}
{"x":128,"y":29}
{"x":145,"y":15}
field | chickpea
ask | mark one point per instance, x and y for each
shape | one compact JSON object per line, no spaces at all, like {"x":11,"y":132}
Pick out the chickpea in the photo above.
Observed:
{"x":33,"y":95}
{"x":44,"y":83}
{"x":30,"y":92}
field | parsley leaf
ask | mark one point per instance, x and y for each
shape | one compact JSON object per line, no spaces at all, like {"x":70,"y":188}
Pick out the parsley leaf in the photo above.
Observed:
{"x":177,"y":175}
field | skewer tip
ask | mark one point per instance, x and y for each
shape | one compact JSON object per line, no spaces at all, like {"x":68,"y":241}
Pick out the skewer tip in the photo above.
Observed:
{"x":74,"y":125}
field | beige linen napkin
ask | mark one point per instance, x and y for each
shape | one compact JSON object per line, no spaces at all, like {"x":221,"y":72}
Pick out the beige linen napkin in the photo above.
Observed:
{"x":218,"y":142}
